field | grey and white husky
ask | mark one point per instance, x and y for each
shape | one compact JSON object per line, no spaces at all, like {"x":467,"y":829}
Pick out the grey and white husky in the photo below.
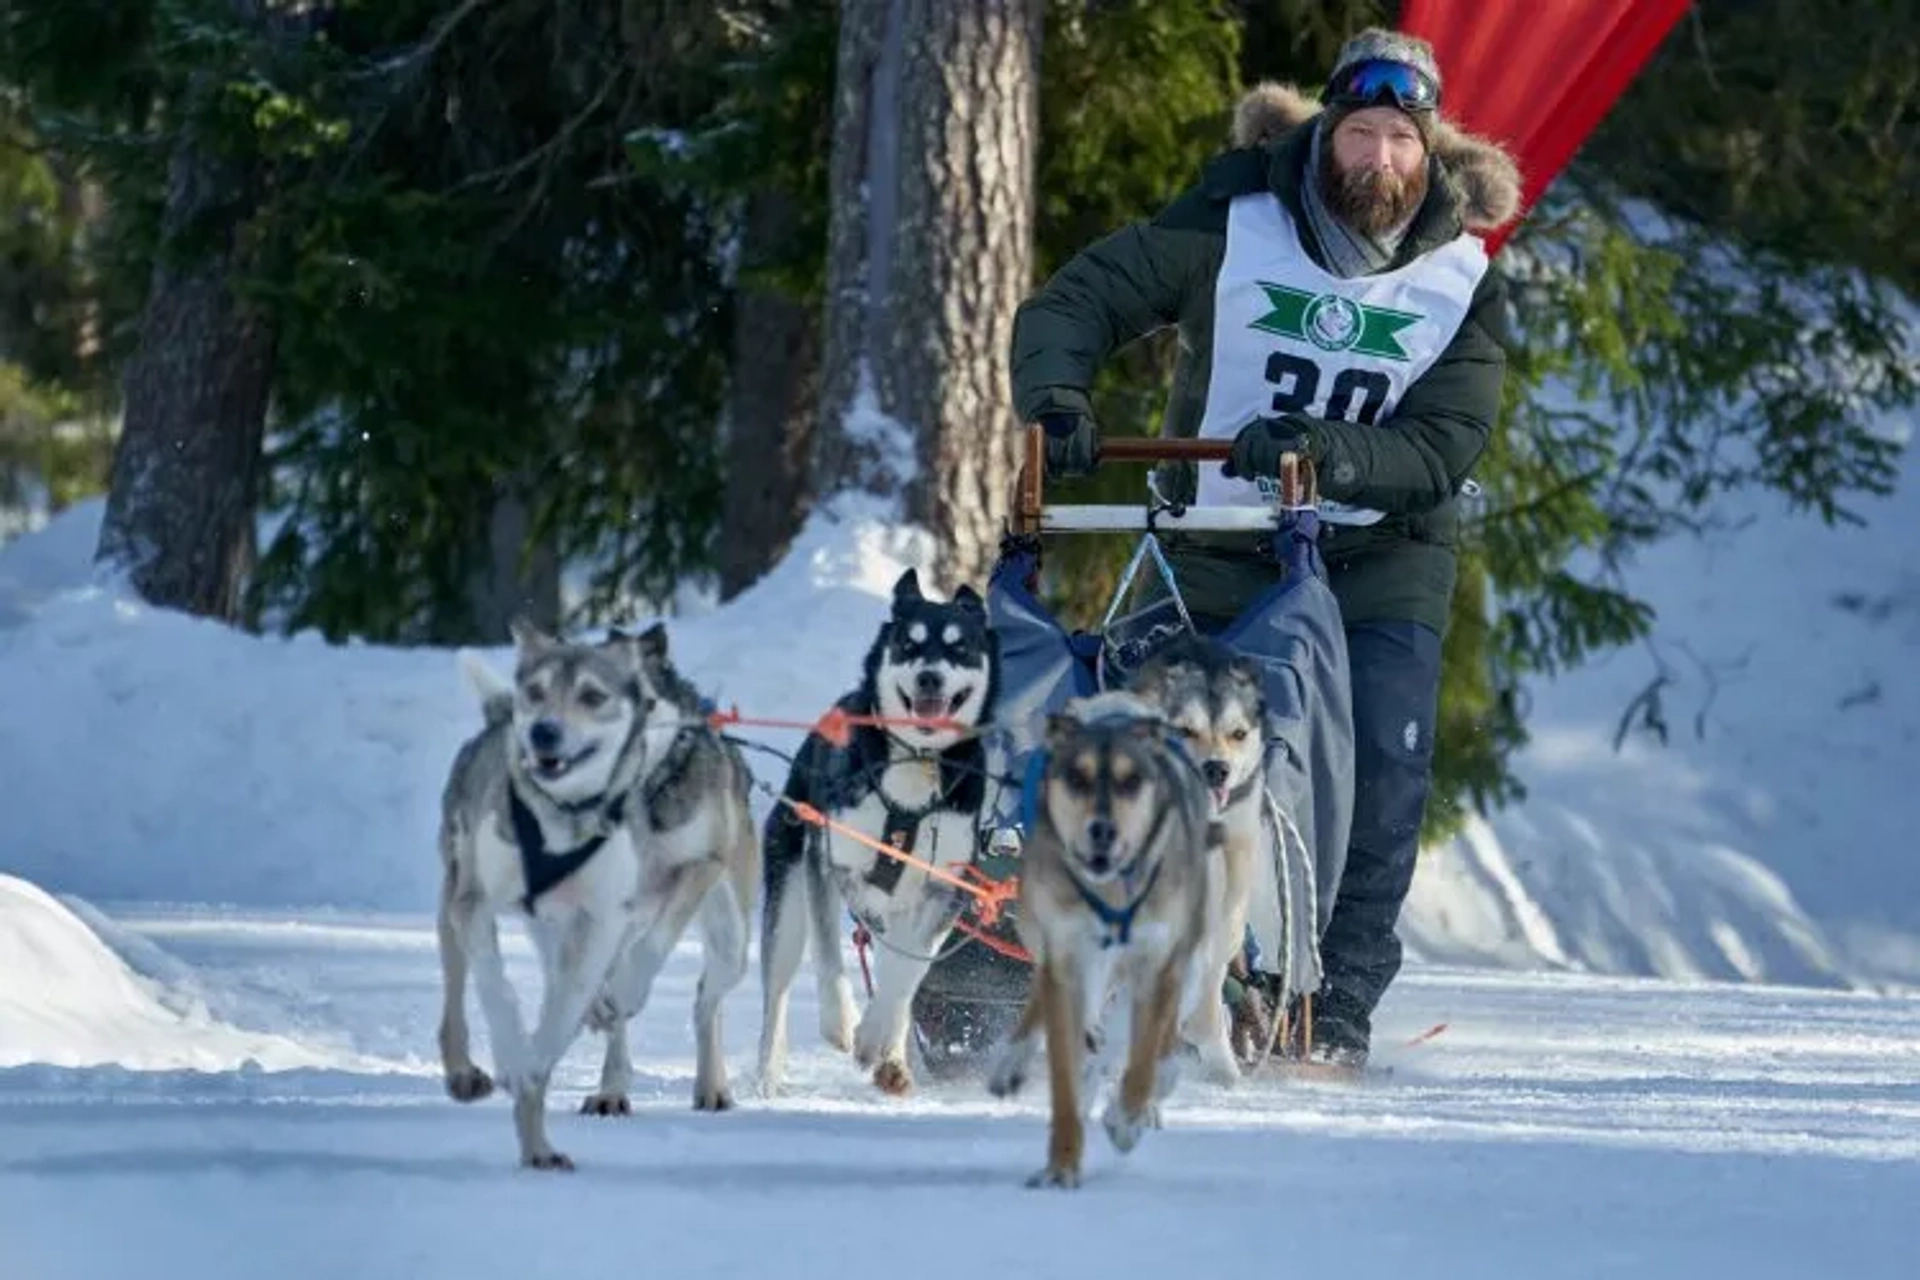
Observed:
{"x":598,"y":806}
{"x":919,"y":788}
{"x":1212,"y":698}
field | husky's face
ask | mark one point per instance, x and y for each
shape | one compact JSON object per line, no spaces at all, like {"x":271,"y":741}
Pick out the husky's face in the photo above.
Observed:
{"x":1213,"y":700}
{"x":574,"y":708}
{"x":1106,"y":785}
{"x":934,"y":660}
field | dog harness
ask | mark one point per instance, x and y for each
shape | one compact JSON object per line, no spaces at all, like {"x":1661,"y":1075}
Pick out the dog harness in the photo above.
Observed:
{"x":903,"y":830}
{"x":903,"y":824}
{"x":1119,"y":920}
{"x":544,"y":869}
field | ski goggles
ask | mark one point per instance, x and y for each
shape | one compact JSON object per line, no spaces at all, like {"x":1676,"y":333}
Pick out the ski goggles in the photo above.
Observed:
{"x":1378,"y":82}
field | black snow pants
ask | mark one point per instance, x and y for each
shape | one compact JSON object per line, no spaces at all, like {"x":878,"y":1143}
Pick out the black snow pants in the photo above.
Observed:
{"x":1395,"y":669}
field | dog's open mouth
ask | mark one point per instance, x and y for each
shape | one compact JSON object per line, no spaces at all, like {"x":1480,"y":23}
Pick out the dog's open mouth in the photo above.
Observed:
{"x":1221,"y":794}
{"x":939,"y":706}
{"x":551,"y":768}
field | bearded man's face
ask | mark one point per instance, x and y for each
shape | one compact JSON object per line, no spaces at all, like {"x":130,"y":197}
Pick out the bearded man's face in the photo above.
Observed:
{"x":1374,"y":175}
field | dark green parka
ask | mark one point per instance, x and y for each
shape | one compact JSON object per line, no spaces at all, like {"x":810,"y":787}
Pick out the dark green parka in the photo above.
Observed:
{"x":1411,"y":465}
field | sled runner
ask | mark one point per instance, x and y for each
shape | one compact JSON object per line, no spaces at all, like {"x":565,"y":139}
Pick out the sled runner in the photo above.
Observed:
{"x":1294,"y":635}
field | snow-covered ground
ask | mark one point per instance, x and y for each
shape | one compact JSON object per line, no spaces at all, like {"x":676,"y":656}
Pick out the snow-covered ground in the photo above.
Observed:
{"x":218,"y":989}
{"x":1561,"y":1125}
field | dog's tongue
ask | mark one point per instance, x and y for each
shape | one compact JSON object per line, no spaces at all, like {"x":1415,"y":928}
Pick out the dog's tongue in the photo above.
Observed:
{"x":1220,"y":797}
{"x":930,"y":708}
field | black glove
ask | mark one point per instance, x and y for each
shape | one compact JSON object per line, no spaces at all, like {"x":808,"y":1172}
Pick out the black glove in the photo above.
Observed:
{"x":1073,"y":444}
{"x":1257,"y":449}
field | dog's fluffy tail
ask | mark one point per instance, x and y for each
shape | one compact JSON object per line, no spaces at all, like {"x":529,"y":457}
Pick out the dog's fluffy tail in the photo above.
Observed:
{"x":494,"y":692}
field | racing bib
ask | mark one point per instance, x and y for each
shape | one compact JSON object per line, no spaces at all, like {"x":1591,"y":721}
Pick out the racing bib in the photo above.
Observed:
{"x":1289,"y":337}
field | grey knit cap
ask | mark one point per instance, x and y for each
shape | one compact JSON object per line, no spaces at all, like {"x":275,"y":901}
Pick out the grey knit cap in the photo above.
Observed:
{"x":1397,"y":46}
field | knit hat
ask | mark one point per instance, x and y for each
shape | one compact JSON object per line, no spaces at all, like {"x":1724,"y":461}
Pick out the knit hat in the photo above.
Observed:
{"x":1393,"y":46}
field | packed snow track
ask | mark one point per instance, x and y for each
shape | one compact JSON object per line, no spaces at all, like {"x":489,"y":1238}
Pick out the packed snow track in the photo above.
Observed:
{"x":1558,"y":1126}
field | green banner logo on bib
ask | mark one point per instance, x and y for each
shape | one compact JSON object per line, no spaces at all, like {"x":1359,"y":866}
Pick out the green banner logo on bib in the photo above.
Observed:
{"x":1334,"y":323}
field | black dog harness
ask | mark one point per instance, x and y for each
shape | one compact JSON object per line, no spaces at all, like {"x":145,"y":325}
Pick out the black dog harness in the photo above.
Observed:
{"x":902,"y":833}
{"x":543,"y":869}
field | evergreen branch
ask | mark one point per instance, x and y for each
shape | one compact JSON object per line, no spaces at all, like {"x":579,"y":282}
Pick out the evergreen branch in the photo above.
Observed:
{"x":416,"y":58}
{"x":543,"y":153}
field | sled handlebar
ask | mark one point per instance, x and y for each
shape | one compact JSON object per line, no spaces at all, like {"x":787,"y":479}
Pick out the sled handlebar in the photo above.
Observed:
{"x":1298,"y":488}
{"x":1153,"y":449}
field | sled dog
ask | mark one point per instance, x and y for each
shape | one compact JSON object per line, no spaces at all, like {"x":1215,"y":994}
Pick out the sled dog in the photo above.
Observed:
{"x":1213,"y":699}
{"x":917,"y":787}
{"x":548,"y":814}
{"x":1119,"y":887}
{"x":700,"y":853}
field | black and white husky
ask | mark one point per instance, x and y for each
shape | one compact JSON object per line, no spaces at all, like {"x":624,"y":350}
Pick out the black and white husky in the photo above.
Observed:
{"x":920,"y":788}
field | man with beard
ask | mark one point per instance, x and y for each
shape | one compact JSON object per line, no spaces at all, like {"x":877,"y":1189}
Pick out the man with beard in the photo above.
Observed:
{"x":1332,"y":300}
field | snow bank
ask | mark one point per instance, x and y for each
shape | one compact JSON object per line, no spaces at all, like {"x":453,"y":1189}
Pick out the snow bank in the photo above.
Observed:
{"x":69,"y":1001}
{"x":1767,"y":837}
{"x":160,"y":759}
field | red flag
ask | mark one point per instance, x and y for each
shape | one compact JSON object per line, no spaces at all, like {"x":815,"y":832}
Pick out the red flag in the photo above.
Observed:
{"x":1537,"y":75}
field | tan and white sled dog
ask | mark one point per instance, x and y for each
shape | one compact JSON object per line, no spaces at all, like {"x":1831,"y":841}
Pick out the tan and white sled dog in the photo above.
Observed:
{"x":1212,"y":698}
{"x":1119,"y":887}
{"x":572,"y":808}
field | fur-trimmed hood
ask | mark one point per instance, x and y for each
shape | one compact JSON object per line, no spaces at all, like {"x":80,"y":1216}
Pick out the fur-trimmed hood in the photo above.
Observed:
{"x":1483,"y":175}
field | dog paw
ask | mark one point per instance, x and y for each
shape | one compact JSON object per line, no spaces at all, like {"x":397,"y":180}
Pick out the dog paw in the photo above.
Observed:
{"x":1124,"y":1130}
{"x":550,"y":1160}
{"x":1062,"y":1176}
{"x":468,"y":1084}
{"x":892,"y":1077}
{"x":712,"y":1098}
{"x":606,"y":1104}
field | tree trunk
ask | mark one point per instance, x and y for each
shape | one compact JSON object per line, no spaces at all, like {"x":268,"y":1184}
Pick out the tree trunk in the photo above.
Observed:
{"x":771,"y":402}
{"x":186,"y":474}
{"x":936,"y":123}
{"x":504,"y":587}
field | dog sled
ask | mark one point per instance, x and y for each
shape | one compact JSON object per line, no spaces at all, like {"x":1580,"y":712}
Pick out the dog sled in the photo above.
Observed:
{"x":1293,"y":634}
